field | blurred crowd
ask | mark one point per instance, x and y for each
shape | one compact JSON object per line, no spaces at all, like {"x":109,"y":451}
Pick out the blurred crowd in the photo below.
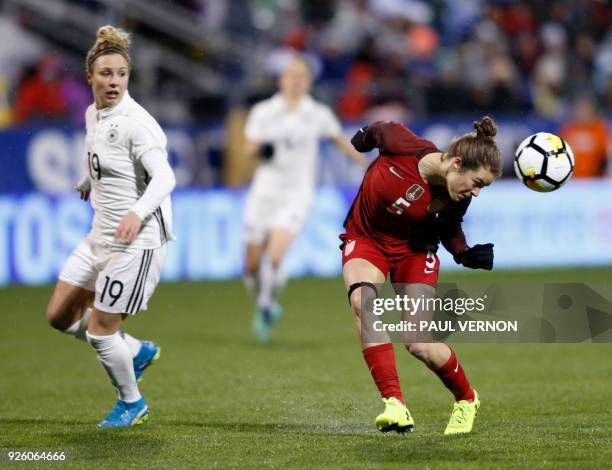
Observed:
{"x":399,"y":59}
{"x":413,"y":58}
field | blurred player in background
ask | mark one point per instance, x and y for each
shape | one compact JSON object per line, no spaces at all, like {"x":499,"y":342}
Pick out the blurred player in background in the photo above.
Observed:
{"x":413,"y":195}
{"x":284,"y":131}
{"x":117,"y":266}
{"x":588,"y":136}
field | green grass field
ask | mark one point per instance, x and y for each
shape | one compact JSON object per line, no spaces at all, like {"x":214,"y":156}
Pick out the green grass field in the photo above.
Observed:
{"x":218,"y":399}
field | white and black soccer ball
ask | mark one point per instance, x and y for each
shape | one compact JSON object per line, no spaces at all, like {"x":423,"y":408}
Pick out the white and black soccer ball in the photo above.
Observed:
{"x":544,"y":162}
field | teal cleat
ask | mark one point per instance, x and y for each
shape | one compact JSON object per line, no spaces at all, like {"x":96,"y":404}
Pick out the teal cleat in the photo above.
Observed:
{"x":261,"y":327}
{"x":264,"y":321}
{"x":275,"y":314}
{"x":148,"y":354}
{"x":126,"y":414}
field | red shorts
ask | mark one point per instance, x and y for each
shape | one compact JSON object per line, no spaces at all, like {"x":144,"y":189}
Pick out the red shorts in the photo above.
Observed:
{"x":407,"y":267}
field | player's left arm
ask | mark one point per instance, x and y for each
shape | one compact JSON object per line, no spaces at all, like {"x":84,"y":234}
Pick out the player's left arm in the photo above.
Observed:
{"x":148,"y":146}
{"x":342,"y":142}
{"x":451,"y":233}
{"x":161,"y":184}
{"x":331,"y":128}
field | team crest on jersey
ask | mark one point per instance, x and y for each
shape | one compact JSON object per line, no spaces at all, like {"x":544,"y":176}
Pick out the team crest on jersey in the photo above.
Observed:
{"x":414,"y":192}
{"x":112,"y":135}
{"x":349,"y":247}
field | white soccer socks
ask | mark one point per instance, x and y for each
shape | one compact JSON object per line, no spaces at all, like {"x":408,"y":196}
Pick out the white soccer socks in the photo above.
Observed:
{"x":272,"y":281}
{"x":79,"y":327}
{"x":251,"y":282}
{"x":132,"y":343}
{"x":114,"y":355}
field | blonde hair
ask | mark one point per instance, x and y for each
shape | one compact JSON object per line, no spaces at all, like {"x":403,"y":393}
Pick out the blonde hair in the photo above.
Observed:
{"x":109,"y":40}
{"x":301,"y":58}
{"x":478,"y":149}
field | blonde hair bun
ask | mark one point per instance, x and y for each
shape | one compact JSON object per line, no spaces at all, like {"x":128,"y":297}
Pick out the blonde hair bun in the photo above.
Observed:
{"x":113,"y":36}
{"x":109,"y":40}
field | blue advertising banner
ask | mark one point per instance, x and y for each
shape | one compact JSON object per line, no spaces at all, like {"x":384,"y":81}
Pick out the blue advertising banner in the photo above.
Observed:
{"x":569,"y":227}
{"x":52,"y":159}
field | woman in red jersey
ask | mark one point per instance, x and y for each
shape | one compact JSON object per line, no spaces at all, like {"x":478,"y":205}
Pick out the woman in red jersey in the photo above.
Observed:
{"x":413,"y":195}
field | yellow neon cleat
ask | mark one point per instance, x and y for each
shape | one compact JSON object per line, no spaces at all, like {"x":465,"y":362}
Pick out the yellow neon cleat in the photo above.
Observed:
{"x":396,"y":417}
{"x":462,"y":417}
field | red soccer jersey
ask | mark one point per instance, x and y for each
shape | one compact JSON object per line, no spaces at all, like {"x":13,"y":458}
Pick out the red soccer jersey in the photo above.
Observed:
{"x":395,"y":207}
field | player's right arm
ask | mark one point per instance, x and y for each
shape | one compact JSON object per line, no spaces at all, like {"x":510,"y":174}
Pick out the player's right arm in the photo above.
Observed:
{"x":256,"y":144}
{"x":84,"y":187}
{"x":345,"y":146}
{"x":254,"y":148}
{"x":84,"y":184}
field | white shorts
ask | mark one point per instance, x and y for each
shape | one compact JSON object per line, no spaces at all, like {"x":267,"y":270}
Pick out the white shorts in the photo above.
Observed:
{"x":123,"y":278}
{"x":264,"y":213}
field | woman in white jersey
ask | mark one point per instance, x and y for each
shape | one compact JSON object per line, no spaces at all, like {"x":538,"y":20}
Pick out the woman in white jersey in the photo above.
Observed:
{"x":117,"y":266}
{"x":284,"y":131}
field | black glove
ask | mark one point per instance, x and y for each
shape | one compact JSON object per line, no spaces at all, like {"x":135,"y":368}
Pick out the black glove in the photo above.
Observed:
{"x":266,"y":150}
{"x":477,"y":257}
{"x":359,"y":144}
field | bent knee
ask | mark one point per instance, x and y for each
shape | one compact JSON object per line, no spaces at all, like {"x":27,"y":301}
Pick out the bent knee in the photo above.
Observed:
{"x":356,"y":313}
{"x":276,"y":259}
{"x":56,"y":317}
{"x":251,"y":266}
{"x":104,"y":323}
{"x":61,"y":317}
{"x":252,"y":261}
{"x":419,"y":350}
{"x":355,"y":301}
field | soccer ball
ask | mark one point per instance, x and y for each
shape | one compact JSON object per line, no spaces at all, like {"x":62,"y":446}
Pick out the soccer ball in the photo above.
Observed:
{"x":544,"y":162}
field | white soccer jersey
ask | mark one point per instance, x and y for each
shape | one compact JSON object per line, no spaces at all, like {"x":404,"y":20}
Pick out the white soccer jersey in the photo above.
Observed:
{"x":116,"y":139}
{"x":296,"y":135}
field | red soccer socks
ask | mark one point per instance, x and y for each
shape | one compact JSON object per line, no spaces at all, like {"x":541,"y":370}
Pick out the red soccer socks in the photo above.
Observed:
{"x":453,"y":377}
{"x":381,"y":362}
